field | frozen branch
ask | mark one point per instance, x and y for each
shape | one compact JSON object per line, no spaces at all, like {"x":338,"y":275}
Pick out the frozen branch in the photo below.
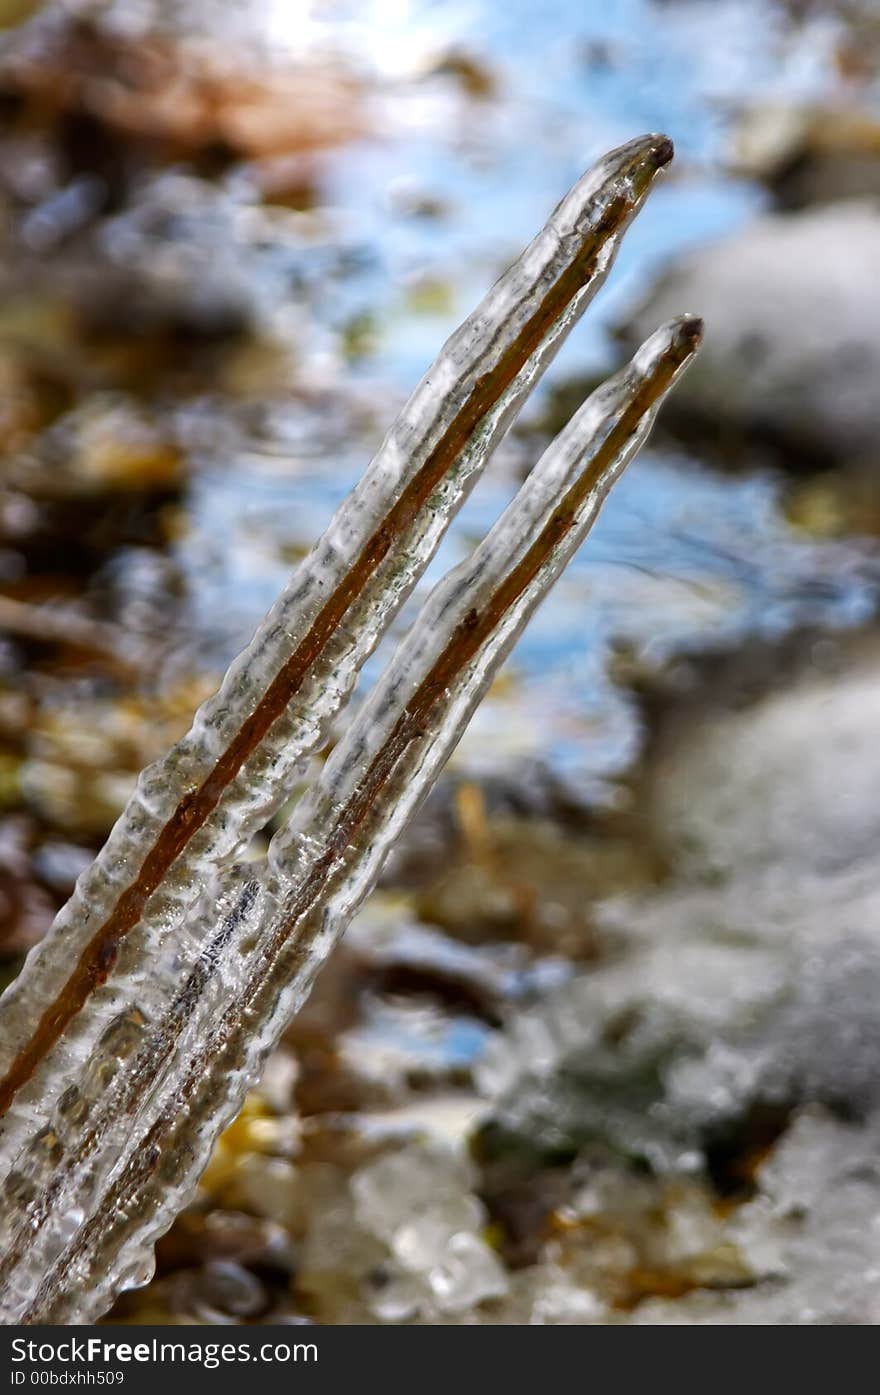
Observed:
{"x":138,"y":1025}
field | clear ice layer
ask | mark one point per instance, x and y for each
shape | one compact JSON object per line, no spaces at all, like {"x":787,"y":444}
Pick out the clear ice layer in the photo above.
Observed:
{"x":139,"y":1023}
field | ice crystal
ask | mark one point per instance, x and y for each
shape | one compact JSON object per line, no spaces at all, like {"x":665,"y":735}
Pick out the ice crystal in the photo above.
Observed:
{"x":136,"y":1027}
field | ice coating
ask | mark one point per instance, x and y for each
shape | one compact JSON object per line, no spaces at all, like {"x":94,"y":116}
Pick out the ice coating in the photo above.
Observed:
{"x":192,"y":810}
{"x":93,"y":1188}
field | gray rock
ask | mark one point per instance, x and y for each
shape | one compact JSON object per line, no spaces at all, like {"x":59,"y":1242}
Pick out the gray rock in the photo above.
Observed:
{"x":748,"y":983}
{"x":792,"y":311}
{"x":789,"y":781}
{"x":809,"y":155}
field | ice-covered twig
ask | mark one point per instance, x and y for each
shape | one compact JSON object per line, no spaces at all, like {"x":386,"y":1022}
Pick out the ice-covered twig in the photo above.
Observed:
{"x":145,"y":1142}
{"x":194,"y":809}
{"x":159,"y":1058}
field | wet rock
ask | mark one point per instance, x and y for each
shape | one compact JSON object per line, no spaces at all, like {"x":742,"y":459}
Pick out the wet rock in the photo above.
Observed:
{"x":198,"y":1237}
{"x":810,"y":155}
{"x":449,"y":1118}
{"x":402,"y":956}
{"x":84,"y":751}
{"x":405,"y":1009}
{"x":59,"y":864}
{"x":843,"y":502}
{"x":342,"y":1266}
{"x":14,"y":11}
{"x":523,"y":881}
{"x":107,"y":445}
{"x":820,"y":1044}
{"x":255,"y":1133}
{"x":175,"y":98}
{"x":809,"y":1238}
{"x":792,"y":352}
{"x":404,"y":1047}
{"x":625,"y":1236}
{"x":278,"y":1081}
{"x":742,"y":989}
{"x":418,"y":1202}
{"x":475,"y":79}
{"x":686,"y":1057}
{"x":31,"y":393}
{"x":787,"y":779}
{"x":262,"y":1186}
{"x":221,"y":1292}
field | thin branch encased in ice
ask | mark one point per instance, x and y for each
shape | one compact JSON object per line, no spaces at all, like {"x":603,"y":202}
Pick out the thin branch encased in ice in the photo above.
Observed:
{"x":186,"y":1075}
{"x":193,"y":809}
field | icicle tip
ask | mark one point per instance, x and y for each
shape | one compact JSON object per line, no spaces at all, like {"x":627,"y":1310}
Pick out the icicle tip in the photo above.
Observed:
{"x":669,"y":349}
{"x":664,"y":150}
{"x":638,"y":162}
{"x":686,"y":334}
